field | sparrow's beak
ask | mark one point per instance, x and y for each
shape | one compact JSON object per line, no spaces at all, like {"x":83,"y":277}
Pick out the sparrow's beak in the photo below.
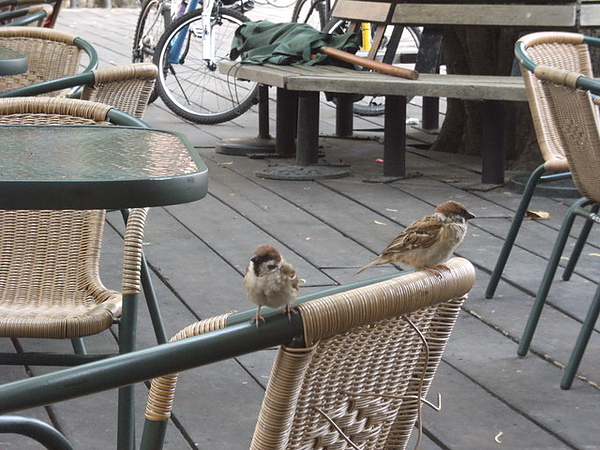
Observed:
{"x":255,"y":258}
{"x":469,"y":215}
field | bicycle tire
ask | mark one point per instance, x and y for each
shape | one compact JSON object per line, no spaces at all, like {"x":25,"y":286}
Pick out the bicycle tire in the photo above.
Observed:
{"x":144,"y":43}
{"x":194,"y":90}
{"x":312,"y":12}
{"x":372,"y":105}
{"x":280,"y":3}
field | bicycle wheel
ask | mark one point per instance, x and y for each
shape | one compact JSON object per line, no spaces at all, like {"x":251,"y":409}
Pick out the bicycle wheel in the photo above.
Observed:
{"x":192,"y":86}
{"x":280,"y":3}
{"x":313,"y":12}
{"x":397,"y":48}
{"x":148,"y":30}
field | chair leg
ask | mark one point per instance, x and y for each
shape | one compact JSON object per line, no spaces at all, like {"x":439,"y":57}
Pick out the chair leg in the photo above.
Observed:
{"x":78,"y":346}
{"x":126,"y":409}
{"x":583,"y":236}
{"x":542,"y":293}
{"x":514,"y":230}
{"x":582,"y":341}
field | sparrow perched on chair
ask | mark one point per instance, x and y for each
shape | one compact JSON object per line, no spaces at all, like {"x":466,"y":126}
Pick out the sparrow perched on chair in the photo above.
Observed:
{"x":429,"y":241}
{"x":270,"y":281}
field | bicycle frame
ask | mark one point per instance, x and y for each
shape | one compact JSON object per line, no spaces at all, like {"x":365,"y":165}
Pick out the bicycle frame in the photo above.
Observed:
{"x":207,"y":41}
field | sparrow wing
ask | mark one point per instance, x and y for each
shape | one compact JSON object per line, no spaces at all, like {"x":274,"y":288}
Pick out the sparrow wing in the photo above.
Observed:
{"x":420,"y":234}
{"x":288,"y":271}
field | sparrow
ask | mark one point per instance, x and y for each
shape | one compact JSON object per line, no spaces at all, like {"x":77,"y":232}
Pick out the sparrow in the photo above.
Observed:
{"x":270,"y":281}
{"x":429,"y":241}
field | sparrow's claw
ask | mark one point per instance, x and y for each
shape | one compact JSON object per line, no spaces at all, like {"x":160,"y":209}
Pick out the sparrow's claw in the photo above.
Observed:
{"x":257,"y":318}
{"x":287,"y":309}
{"x":437,"y":270}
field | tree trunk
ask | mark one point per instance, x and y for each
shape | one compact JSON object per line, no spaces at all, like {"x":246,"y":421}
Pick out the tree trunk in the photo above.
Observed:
{"x":488,"y":51}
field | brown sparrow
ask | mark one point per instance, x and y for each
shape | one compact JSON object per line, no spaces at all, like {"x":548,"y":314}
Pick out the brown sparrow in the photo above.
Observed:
{"x":270,"y":281}
{"x":429,"y":241}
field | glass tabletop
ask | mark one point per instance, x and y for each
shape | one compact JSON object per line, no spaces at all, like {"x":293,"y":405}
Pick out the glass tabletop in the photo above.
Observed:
{"x":89,"y":167}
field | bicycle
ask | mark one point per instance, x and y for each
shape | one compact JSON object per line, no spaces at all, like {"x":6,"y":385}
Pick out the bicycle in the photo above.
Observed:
{"x":155,"y":16}
{"x":399,"y":44}
{"x":187,"y":56}
{"x":186,"y":42}
{"x":313,"y":12}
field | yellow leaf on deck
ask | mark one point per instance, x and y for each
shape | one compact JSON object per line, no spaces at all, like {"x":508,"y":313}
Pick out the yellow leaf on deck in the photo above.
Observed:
{"x":379,"y":223}
{"x":534,"y":215}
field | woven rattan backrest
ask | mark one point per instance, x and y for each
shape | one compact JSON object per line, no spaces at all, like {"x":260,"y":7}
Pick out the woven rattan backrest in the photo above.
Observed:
{"x":51,"y":54}
{"x":554,"y":49}
{"x":577,"y":117}
{"x":364,"y":370}
{"x":126,"y":87}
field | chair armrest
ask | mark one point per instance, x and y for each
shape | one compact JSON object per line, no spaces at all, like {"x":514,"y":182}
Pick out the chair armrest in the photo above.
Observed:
{"x":132,"y":251}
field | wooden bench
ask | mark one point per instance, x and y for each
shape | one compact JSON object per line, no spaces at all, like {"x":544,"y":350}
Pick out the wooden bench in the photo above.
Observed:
{"x":302,"y":84}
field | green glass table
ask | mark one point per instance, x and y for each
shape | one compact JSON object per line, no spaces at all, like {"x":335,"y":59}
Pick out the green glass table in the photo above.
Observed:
{"x":97,"y":167}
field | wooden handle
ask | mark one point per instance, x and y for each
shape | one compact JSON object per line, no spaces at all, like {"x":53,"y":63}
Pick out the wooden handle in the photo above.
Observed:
{"x":370,"y":64}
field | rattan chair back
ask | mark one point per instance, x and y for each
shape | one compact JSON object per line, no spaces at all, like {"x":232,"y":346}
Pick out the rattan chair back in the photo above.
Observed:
{"x":126,"y":87}
{"x":553,"y":49}
{"x":365,"y":364}
{"x":49,"y":260}
{"x":577,"y":116}
{"x":51,"y":54}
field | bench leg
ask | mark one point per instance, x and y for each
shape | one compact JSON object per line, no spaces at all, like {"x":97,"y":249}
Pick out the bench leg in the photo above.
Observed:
{"x":431,"y":113}
{"x":307,"y":152}
{"x":494,"y":138}
{"x":394,"y":141}
{"x":298,"y":120}
{"x":285,"y":132}
{"x":344,"y":116}
{"x":260,"y":145}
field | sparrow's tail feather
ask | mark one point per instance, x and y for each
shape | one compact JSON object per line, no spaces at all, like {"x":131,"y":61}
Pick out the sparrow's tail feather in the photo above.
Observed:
{"x":372,"y":263}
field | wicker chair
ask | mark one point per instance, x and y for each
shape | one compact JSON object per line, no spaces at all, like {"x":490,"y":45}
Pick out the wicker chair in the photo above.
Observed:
{"x":51,"y":54}
{"x":575,"y":114}
{"x":570,"y":55}
{"x":19,"y":4}
{"x":49,"y":260}
{"x":359,"y":374}
{"x":127,"y":87}
{"x":34,"y":14}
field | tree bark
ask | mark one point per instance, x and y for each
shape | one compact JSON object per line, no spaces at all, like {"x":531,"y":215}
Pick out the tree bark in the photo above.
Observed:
{"x":488,"y":51}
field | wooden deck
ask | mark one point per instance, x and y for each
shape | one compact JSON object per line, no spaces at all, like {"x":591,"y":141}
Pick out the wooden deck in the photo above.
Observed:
{"x":327,"y":229}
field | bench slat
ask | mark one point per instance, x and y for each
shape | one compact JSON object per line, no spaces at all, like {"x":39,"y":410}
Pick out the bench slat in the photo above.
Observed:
{"x":376,"y":12}
{"x":340,"y":80}
{"x":486,"y":15}
{"x":590,"y":15}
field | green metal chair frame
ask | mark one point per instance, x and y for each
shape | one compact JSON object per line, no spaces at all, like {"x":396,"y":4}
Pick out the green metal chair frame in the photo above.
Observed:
{"x":572,"y":97}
